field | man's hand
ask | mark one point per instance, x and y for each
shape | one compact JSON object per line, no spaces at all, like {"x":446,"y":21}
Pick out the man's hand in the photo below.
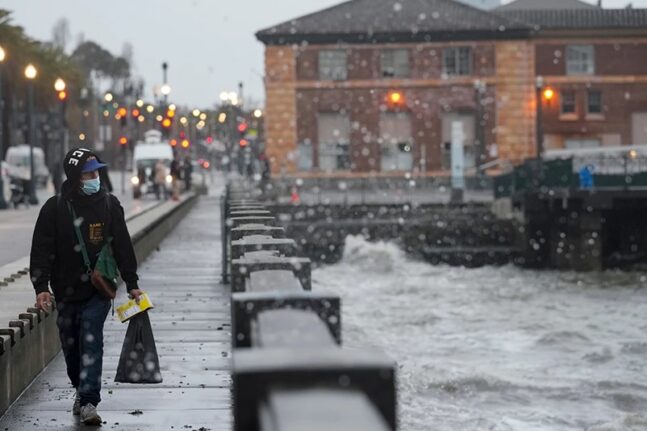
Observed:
{"x":135,"y":294}
{"x":44,"y":301}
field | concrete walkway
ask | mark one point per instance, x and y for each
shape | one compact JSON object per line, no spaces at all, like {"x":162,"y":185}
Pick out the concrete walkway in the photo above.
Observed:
{"x":191,"y":326}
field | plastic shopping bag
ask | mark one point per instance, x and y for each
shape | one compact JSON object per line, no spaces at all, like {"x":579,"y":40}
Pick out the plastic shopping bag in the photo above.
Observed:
{"x":139,"y":362}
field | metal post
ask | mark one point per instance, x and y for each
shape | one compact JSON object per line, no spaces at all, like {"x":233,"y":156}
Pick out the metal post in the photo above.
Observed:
{"x":123,"y":175}
{"x":3,"y":202}
{"x":540,"y":133}
{"x":62,"y":143}
{"x":33,"y":200}
{"x":165,"y":76}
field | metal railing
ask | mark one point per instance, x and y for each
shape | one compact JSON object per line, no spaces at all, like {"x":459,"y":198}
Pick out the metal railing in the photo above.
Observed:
{"x":594,"y":171}
{"x":375,"y":190}
{"x":288,"y":367}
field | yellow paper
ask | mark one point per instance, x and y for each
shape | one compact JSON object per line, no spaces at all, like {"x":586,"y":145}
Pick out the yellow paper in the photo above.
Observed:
{"x":131,"y":308}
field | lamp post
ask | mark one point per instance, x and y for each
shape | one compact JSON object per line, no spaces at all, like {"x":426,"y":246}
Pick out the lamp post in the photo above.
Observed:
{"x":30,"y":73}
{"x":61,"y":87}
{"x":480,"y":88}
{"x":547,"y":94}
{"x":3,"y":202}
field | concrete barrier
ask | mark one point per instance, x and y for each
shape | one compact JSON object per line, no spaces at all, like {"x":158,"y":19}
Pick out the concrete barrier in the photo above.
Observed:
{"x":31,"y":339}
{"x":289,"y":371}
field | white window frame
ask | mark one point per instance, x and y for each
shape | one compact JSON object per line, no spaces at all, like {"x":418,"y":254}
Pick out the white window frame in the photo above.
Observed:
{"x":395,"y":63}
{"x":334,"y":154}
{"x":393,"y":156}
{"x":562,"y":98}
{"x":588,"y":102}
{"x":458,"y":61}
{"x":580,"y":59}
{"x":333,"y":65}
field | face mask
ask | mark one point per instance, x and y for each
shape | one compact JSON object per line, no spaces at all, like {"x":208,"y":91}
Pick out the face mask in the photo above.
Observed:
{"x":90,"y":187}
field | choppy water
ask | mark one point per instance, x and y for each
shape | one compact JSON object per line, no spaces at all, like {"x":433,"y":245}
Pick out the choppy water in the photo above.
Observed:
{"x":499,"y":348}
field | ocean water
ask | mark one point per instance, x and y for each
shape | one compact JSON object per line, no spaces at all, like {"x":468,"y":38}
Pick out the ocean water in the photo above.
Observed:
{"x":498,"y":348}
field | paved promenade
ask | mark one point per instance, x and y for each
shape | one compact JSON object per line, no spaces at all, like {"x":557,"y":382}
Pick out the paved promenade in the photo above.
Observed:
{"x":191,"y":326}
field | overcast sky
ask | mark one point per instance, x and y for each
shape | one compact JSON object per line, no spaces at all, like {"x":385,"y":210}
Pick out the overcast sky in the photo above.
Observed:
{"x":209,"y":44}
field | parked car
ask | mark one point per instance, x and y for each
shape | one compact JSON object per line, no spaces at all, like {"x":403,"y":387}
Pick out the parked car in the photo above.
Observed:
{"x":19,"y":166}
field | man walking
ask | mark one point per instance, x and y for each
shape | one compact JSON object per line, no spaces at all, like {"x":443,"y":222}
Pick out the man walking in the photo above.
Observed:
{"x":57,"y":260}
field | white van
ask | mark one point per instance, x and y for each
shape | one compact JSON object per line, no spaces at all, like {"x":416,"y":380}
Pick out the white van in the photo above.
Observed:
{"x":18,"y":164}
{"x":145,"y":157}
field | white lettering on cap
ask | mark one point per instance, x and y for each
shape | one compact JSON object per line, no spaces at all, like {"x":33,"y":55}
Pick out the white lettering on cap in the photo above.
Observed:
{"x":78,"y":154}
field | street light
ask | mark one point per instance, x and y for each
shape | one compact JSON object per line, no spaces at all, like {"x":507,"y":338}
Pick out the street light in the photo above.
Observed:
{"x":539,"y":84}
{"x":3,"y":202}
{"x":108,"y":97}
{"x":60,"y":86}
{"x":165,"y":90}
{"x":257,"y":113}
{"x":30,"y":73}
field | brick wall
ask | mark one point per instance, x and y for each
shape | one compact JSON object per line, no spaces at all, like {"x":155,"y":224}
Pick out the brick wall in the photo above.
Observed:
{"x":280,"y":112}
{"x":515,"y":99}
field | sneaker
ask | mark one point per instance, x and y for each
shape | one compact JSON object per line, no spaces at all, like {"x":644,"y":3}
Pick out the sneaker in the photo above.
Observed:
{"x":89,"y":415}
{"x":76,"y":408}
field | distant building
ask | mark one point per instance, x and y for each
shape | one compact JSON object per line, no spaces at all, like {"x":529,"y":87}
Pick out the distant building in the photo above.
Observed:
{"x":483,"y":4}
{"x":373,"y":86}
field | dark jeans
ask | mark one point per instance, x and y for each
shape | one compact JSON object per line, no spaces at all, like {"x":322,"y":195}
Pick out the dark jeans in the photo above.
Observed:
{"x":80,"y":326}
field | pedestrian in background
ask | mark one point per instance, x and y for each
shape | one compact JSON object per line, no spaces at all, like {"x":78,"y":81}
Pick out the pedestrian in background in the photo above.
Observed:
{"x":160,"y":180}
{"x":188,"y":172}
{"x":175,"y":178}
{"x":71,"y":229}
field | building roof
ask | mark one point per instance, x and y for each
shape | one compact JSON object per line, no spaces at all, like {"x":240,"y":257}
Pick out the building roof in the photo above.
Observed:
{"x":580,"y":19}
{"x":546,"y":4}
{"x":394,"y":21}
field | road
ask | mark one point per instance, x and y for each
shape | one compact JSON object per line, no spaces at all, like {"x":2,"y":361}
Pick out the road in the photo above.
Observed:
{"x":17,"y":225}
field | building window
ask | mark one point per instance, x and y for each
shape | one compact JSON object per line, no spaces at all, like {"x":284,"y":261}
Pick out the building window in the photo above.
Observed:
{"x":332,"y":65}
{"x":457,"y":61}
{"x":395,"y":141}
{"x":580,"y":60}
{"x":304,"y":155}
{"x":581,"y":143}
{"x":568,"y":102}
{"x":594,"y":102}
{"x":468,"y":125}
{"x":395,"y":63}
{"x":334,"y":142}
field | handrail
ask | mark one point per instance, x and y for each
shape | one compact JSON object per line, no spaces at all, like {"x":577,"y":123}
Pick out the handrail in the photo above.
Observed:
{"x":288,"y":363}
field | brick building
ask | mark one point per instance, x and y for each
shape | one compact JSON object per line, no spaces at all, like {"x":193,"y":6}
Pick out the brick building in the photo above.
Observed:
{"x":376,"y":85}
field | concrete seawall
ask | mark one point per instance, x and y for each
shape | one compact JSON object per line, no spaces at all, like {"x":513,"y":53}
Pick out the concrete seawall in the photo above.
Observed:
{"x":31,"y":341}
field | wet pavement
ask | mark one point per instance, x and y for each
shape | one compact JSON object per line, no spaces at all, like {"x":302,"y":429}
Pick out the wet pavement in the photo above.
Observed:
{"x":191,"y":326}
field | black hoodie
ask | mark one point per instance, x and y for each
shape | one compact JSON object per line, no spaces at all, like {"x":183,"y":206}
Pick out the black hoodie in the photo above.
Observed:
{"x":56,"y":257}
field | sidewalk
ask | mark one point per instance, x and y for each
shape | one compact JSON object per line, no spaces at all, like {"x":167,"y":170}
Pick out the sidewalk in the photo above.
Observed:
{"x":191,"y":326}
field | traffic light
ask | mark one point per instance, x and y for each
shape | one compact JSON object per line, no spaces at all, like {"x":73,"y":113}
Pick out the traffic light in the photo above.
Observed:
{"x":122,"y":115}
{"x":123,"y":141}
{"x":209,"y":139}
{"x":62,"y":96}
{"x":243,"y":143}
{"x":173,"y":142}
{"x":242,"y":128}
{"x":135,"y":113}
{"x":185,"y":143}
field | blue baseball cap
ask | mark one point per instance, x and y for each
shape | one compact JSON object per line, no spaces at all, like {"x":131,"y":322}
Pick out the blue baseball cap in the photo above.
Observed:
{"x":92,"y":164}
